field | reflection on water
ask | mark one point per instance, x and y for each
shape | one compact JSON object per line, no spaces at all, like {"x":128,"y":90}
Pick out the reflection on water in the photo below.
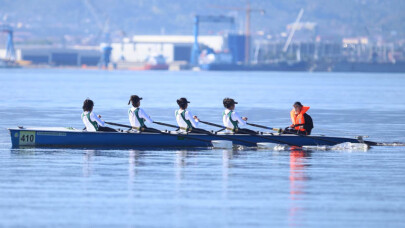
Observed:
{"x":297,"y":183}
{"x":180,"y":164}
{"x":297,"y":172}
{"x":134,"y":157}
{"x":227,"y":155}
{"x":87,"y":160}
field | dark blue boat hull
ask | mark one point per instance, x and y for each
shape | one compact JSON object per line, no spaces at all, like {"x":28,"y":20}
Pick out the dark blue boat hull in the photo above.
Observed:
{"x":82,"y":139}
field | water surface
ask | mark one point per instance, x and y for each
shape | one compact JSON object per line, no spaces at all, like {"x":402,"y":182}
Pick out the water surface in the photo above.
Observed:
{"x":204,"y":188}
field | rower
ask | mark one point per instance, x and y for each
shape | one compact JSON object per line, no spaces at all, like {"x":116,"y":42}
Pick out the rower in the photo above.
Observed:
{"x":137,"y":116}
{"x":185,"y":120}
{"x":91,"y":120}
{"x":232,"y":119}
{"x":301,"y":122}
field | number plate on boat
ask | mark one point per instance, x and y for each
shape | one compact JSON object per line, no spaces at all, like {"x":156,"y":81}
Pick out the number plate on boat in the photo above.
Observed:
{"x":27,"y":138}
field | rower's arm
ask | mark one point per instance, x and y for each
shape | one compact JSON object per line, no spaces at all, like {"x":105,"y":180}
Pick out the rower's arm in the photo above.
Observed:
{"x":191,"y":119}
{"x":94,"y":117}
{"x":236,"y":117}
{"x":142,"y":114}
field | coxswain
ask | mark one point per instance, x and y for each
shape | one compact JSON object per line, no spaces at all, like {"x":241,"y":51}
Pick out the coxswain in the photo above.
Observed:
{"x":232,"y":119}
{"x":137,"y":116}
{"x":185,"y":120}
{"x":301,"y":122}
{"x":91,"y":120}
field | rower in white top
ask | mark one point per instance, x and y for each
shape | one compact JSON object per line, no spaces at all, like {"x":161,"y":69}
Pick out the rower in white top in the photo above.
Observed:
{"x":185,"y":120}
{"x":91,"y":121}
{"x":137,"y":116}
{"x":232,"y":119}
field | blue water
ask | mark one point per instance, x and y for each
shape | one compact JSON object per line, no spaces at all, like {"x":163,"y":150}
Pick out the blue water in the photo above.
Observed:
{"x":204,"y":188}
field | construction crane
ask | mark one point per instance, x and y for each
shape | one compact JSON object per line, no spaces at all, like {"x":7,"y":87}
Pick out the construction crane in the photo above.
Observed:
{"x":103,"y":23}
{"x":10,"y":51}
{"x":292,"y":31}
{"x":248,"y":11}
{"x":195,"y":52}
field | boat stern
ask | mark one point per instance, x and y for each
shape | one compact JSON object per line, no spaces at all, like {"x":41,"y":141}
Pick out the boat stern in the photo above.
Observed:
{"x":22,"y":137}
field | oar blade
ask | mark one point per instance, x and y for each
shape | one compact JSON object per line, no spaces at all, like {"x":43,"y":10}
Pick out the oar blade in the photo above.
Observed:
{"x":222,"y":144}
{"x":271,"y":146}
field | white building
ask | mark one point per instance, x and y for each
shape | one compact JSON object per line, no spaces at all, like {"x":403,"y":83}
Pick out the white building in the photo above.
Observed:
{"x":173,"y":48}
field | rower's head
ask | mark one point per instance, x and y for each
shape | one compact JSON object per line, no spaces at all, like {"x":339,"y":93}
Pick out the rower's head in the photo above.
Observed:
{"x":135,"y":100}
{"x":229,"y":103}
{"x":88,"y":105}
{"x":297,"y":107}
{"x":183,"y":103}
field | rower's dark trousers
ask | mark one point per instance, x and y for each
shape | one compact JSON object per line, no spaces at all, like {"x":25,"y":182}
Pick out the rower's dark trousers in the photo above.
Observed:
{"x":245,"y":131}
{"x":106,"y":129}
{"x":149,"y":129}
{"x":295,"y":132}
{"x":199,"y":130}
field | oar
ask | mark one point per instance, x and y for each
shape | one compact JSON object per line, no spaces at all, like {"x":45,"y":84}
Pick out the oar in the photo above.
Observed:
{"x":370,"y":143}
{"x":264,"y":127}
{"x":119,"y":125}
{"x":174,"y":126}
{"x":211,"y":124}
{"x":165,"y":124}
{"x":279,"y":130}
{"x":207,"y":133}
{"x":256,"y":135}
{"x":163,"y":133}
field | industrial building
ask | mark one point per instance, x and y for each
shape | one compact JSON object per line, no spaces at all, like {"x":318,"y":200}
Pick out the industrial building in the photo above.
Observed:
{"x":70,"y":56}
{"x":173,"y":48}
{"x":135,"y":50}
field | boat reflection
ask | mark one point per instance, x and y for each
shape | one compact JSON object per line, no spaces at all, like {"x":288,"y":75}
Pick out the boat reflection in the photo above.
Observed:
{"x":298,"y":178}
{"x":180,"y":164}
{"x":133,"y":162}
{"x":87,"y":162}
{"x":227,"y":155}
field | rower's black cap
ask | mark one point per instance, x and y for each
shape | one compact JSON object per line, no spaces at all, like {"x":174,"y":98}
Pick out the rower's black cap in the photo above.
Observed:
{"x":134,"y":99}
{"x":228,"y":102}
{"x":182,"y":100}
{"x":297,"y":103}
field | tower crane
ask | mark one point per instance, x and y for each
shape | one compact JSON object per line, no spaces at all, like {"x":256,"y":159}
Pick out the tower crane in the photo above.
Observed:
{"x":195,"y":52}
{"x":103,"y":23}
{"x":248,"y":12}
{"x":294,"y":27}
{"x":10,"y":51}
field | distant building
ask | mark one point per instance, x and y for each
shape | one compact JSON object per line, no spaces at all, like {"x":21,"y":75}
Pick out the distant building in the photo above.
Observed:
{"x":173,"y":48}
{"x":298,"y":51}
{"x":70,"y":56}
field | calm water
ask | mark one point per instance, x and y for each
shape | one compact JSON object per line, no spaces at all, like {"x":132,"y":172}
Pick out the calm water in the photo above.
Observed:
{"x":204,"y":188}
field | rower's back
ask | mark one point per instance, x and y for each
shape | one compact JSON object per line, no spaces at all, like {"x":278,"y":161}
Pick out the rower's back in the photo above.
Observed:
{"x":89,"y":121}
{"x":182,"y":121}
{"x":137,"y":116}
{"x":185,"y":120}
{"x":228,"y":121}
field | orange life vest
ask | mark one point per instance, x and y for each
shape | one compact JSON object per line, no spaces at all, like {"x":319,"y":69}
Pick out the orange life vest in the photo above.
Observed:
{"x":299,"y":119}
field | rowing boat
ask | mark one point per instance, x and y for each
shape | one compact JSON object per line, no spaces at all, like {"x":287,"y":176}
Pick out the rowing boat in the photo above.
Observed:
{"x":73,"y":138}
